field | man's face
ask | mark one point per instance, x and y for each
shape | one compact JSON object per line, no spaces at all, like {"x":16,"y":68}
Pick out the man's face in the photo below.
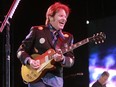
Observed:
{"x":59,"y":19}
{"x":104,"y":79}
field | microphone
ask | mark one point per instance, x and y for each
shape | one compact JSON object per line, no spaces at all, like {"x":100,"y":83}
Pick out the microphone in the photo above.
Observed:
{"x":73,"y":75}
{"x":77,"y":74}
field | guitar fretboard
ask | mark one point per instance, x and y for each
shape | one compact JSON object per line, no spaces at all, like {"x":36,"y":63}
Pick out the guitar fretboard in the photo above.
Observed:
{"x":74,"y":46}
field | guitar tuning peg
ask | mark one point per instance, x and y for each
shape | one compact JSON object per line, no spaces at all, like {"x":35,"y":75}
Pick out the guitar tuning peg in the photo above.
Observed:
{"x":102,"y":41}
{"x":95,"y":42}
{"x":101,"y":33}
{"x":99,"y":42}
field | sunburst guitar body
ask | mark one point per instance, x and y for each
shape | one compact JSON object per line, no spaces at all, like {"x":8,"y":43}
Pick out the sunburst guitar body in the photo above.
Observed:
{"x":31,"y":75}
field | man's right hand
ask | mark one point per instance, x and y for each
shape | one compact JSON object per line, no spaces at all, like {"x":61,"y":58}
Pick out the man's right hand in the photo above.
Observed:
{"x":34,"y":63}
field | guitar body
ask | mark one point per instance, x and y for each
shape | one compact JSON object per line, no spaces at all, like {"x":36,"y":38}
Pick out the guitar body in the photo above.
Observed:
{"x":31,"y":75}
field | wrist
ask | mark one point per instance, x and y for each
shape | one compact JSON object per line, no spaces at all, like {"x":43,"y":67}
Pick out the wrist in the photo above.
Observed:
{"x":27,"y":60}
{"x":63,"y":61}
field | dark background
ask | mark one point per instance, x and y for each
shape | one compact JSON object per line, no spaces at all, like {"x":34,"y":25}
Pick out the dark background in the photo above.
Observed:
{"x":32,"y":12}
{"x":103,"y":57}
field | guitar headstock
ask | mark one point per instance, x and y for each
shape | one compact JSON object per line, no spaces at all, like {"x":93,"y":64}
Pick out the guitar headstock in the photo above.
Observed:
{"x":98,"y":37}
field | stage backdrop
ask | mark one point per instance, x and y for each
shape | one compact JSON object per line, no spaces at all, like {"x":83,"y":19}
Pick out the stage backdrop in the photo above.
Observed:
{"x":102,"y":57}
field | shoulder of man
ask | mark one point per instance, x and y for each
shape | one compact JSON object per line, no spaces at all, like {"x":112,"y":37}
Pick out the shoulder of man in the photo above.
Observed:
{"x":41,"y":27}
{"x":67,"y":34}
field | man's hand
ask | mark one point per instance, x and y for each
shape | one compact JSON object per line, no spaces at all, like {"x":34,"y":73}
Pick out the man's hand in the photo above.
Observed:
{"x":58,"y":57}
{"x":34,"y":63}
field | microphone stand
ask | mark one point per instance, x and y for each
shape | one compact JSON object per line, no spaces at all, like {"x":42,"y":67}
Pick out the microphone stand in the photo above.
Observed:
{"x":6,"y":24}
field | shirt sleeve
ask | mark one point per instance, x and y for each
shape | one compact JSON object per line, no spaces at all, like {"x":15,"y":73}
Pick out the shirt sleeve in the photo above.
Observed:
{"x":25,"y":49}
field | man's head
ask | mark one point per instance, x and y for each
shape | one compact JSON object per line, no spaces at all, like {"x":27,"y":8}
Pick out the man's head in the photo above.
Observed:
{"x":104,"y":77}
{"x":57,"y":15}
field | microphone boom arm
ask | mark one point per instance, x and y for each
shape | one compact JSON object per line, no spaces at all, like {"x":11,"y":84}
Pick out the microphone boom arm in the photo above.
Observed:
{"x":9,"y":14}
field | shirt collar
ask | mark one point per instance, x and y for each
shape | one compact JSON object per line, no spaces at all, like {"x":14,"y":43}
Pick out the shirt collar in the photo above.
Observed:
{"x":53,"y":30}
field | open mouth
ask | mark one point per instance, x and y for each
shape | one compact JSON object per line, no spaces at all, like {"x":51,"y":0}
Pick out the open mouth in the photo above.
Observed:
{"x":61,"y":23}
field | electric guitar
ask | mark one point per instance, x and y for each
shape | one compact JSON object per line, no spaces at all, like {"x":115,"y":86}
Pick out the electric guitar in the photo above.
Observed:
{"x":31,"y":75}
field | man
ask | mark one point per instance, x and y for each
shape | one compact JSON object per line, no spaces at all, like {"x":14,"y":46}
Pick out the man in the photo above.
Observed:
{"x":49,"y":36}
{"x":101,"y":82}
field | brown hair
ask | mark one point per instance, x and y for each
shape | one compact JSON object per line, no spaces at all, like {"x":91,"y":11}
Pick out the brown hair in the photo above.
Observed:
{"x":54,"y":8}
{"x":105,"y":73}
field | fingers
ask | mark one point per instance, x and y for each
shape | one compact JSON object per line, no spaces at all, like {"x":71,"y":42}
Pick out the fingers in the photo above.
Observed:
{"x":59,"y":51}
{"x":35,"y":63}
{"x":58,"y":57}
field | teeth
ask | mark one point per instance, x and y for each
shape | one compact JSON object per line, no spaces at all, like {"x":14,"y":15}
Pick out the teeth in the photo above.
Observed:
{"x":61,"y":23}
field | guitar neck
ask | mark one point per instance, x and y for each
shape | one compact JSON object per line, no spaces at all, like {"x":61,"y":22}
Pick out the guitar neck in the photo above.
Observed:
{"x":76,"y":45}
